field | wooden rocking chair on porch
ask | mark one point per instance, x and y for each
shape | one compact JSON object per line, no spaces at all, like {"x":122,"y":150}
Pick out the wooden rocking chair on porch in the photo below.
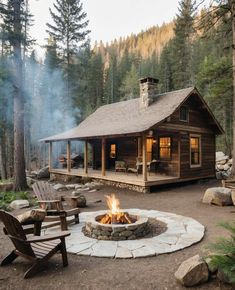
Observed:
{"x":37,"y":249}
{"x":55,"y":211}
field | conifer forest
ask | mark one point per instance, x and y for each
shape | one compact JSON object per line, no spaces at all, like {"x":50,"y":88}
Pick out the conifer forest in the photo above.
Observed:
{"x":44,"y":96}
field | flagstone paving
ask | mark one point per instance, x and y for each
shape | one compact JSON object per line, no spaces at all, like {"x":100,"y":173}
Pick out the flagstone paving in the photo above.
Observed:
{"x":181,"y":232}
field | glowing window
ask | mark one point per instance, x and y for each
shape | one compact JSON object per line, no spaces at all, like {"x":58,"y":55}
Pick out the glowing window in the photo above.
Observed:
{"x":113,"y":151}
{"x":165,"y":148}
{"x":195,"y":150}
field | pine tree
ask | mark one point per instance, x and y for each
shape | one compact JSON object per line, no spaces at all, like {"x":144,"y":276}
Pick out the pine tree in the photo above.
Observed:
{"x":181,"y":49}
{"x":69,"y":30}
{"x":223,"y":254}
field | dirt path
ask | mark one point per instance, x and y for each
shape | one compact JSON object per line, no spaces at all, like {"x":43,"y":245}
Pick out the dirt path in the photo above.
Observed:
{"x":143,"y":274}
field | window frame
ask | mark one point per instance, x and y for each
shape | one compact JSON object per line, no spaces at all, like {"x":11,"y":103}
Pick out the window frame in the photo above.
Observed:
{"x":200,"y":150}
{"x":182,"y":120}
{"x":159,"y":155}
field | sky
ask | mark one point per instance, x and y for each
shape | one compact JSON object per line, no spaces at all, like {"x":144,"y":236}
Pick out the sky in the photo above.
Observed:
{"x":109,"y":19}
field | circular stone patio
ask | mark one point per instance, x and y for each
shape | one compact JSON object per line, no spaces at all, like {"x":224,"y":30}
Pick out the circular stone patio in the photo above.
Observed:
{"x":181,"y":232}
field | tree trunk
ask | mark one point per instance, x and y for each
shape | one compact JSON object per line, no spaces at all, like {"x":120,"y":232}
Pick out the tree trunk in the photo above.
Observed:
{"x":19,"y":161}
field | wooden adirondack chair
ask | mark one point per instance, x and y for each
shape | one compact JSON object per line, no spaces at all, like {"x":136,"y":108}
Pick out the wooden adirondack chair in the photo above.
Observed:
{"x":47,"y":200}
{"x":37,"y":249}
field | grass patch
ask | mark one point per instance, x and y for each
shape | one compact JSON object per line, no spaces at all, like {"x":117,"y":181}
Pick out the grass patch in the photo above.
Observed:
{"x":6,"y":197}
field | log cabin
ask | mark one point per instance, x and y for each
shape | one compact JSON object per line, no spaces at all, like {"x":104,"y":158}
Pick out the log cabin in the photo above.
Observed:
{"x":147,"y":141}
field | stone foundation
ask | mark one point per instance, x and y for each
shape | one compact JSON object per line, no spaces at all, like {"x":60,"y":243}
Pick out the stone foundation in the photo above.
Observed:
{"x":116,"y":232}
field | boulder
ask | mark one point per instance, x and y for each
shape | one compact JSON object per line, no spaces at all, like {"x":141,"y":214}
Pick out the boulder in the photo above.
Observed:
{"x":221,"y":157}
{"x":71,"y":186}
{"x":21,"y":203}
{"x":30,"y":181}
{"x":233,"y":196}
{"x":60,"y":187}
{"x":218,"y":175}
{"x":218,"y":195}
{"x":77,"y":192}
{"x":93,"y":185}
{"x":81,"y":201}
{"x":43,"y":173}
{"x":192,"y":272}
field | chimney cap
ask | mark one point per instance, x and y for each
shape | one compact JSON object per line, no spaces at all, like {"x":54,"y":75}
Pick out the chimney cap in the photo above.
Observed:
{"x":148,"y":80}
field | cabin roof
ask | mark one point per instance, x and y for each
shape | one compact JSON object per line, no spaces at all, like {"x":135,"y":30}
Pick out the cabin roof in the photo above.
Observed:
{"x":126,"y":117}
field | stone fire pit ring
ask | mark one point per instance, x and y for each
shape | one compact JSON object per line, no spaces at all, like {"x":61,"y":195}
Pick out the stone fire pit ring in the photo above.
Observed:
{"x":181,"y":232}
{"x":116,"y":232}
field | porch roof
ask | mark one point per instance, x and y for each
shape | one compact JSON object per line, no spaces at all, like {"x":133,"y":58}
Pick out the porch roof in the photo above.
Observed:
{"x":126,"y":117}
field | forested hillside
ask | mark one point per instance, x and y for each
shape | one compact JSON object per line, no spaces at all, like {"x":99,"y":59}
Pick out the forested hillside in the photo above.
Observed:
{"x":76,"y":78}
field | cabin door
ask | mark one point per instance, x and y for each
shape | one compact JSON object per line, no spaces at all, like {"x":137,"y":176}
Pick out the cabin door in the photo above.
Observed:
{"x":112,"y":154}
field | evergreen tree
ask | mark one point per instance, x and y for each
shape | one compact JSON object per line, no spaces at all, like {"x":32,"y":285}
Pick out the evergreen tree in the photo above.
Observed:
{"x":181,"y":50}
{"x":130,"y":87}
{"x":69,"y":30}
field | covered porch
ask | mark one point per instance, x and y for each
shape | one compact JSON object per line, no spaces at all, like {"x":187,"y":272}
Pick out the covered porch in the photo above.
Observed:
{"x":149,"y":159}
{"x":120,"y":177}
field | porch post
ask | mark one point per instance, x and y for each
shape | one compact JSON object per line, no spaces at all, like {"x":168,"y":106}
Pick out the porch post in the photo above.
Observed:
{"x":144,"y":157}
{"x":103,"y":156}
{"x":85,"y":157}
{"x":68,"y":156}
{"x":50,"y":156}
{"x":139,"y":146}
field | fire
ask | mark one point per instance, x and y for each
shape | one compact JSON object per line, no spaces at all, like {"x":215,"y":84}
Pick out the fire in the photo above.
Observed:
{"x":115,"y":215}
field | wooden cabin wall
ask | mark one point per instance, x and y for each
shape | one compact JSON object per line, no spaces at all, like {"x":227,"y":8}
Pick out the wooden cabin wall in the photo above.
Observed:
{"x":197,"y":116}
{"x":127,"y":150}
{"x":207,"y":168}
{"x":168,"y":167}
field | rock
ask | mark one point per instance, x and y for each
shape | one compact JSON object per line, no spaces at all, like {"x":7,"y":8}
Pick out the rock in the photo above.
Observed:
{"x":81,"y":201}
{"x":93,"y":185}
{"x":221,"y":157}
{"x":60,"y":187}
{"x":230,"y":162}
{"x":77,"y":192}
{"x":30,"y":181}
{"x":192,"y":272}
{"x":77,"y":186}
{"x":233,"y":196}
{"x":218,"y":195}
{"x":43,"y":173}
{"x":93,"y":190}
{"x":226,"y":167}
{"x":71,"y":186}
{"x":21,"y":203}
{"x":218,"y":175}
{"x":220,"y":167}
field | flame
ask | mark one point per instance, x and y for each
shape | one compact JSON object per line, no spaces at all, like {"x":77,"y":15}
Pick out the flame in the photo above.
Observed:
{"x":113,"y":204}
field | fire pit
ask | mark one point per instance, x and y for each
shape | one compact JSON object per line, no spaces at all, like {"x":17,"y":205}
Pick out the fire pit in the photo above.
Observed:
{"x":116,"y":225}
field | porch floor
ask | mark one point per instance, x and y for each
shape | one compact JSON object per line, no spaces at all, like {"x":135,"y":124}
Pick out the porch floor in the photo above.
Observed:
{"x":122,"y":177}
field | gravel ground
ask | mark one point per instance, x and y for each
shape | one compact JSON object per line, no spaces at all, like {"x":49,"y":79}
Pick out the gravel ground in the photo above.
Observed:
{"x":143,"y":273}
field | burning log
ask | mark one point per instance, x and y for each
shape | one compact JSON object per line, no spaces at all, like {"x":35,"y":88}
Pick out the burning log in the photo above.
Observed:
{"x":116,"y":216}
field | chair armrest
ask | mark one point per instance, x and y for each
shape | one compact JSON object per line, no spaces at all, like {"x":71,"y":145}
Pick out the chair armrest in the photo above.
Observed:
{"x":36,"y":239}
{"x":49,"y":201}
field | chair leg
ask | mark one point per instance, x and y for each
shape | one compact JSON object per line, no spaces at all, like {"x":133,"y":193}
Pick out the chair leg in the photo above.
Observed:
{"x":34,"y":269}
{"x":9,"y":259}
{"x":76,"y":216}
{"x":63,"y":252}
{"x":64,"y":226}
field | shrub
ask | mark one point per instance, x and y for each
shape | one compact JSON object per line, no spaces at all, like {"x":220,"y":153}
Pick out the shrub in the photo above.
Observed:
{"x":223,"y":257}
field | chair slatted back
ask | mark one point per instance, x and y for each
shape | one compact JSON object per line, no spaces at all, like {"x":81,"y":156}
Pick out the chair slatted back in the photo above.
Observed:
{"x":16,"y":233}
{"x":44,"y":191}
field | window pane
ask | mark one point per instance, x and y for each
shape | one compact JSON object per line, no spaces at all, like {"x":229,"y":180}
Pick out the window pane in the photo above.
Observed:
{"x":183,"y":114}
{"x":165,"y":148}
{"x":113,"y":151}
{"x":195,"y":150}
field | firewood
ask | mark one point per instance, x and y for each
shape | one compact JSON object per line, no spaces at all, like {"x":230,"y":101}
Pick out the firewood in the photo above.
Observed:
{"x":32,"y":216}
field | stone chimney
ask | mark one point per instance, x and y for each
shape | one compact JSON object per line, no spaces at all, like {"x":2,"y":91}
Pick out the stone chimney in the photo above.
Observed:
{"x":148,"y":90}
